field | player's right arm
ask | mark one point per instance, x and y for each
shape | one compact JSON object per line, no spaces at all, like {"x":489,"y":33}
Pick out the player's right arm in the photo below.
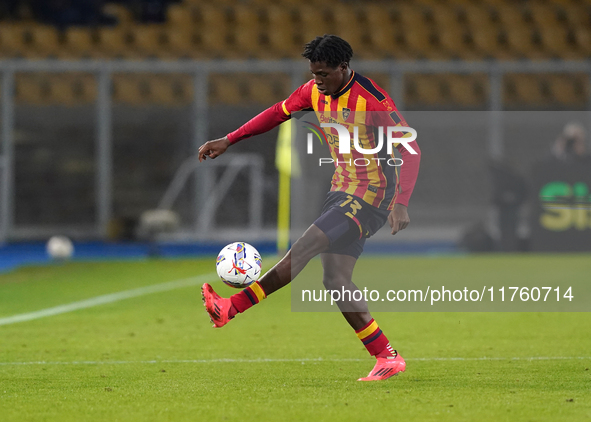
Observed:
{"x":300,"y":99}
{"x":213,"y":148}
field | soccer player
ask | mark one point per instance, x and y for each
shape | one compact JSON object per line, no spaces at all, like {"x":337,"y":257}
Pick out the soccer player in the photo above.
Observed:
{"x":359,"y":203}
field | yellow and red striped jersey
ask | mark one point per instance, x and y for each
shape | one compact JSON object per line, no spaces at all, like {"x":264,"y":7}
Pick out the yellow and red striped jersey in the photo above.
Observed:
{"x":363,"y":104}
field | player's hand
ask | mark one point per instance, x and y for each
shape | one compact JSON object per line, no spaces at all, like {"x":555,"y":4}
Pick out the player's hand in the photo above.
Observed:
{"x":398,"y":218}
{"x":213,"y":148}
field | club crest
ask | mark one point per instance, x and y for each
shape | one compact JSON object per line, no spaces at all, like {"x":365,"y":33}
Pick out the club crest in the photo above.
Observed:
{"x":346,"y":113}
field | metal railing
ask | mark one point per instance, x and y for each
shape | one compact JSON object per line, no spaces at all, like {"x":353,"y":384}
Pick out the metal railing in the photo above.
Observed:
{"x":200,"y":71}
{"x":216,"y":191}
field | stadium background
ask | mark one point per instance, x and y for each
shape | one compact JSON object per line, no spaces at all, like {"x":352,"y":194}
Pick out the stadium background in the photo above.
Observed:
{"x":98,"y":131}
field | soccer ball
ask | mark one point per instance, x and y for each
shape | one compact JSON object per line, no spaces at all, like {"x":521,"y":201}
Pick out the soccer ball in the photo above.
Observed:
{"x":239,"y":265}
{"x":60,"y":248}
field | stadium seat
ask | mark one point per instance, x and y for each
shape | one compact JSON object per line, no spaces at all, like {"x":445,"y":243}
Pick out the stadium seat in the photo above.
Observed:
{"x":131,"y":89}
{"x":160,"y":90}
{"x":312,"y":21}
{"x":510,"y":15}
{"x":43,"y":42}
{"x":68,"y":89}
{"x":523,"y":89}
{"x":280,"y":31}
{"x":265,"y":89}
{"x":429,"y":29}
{"x":183,"y":88}
{"x":543,"y":15}
{"x":419,"y":41}
{"x":570,"y":90}
{"x":417,"y":32}
{"x":212,"y":29}
{"x":148,"y":89}
{"x":410,"y":13}
{"x":577,"y":15}
{"x":180,"y":16}
{"x":445,"y":16}
{"x":452,"y":40}
{"x":181,"y":44}
{"x":226,"y":89}
{"x":84,"y":87}
{"x":381,"y":30}
{"x":61,"y":90}
{"x":555,"y":43}
{"x":300,"y":2}
{"x":483,"y":32}
{"x":384,"y":34}
{"x":114,"y":43}
{"x":347,"y":24}
{"x":246,"y":32}
{"x":31,"y":88}
{"x":466,"y":90}
{"x":486,"y":42}
{"x":13,"y":39}
{"x":520,"y":42}
{"x":423,"y":90}
{"x":147,"y":40}
{"x":476,"y":15}
{"x":78,"y":43}
{"x":582,"y":37}
{"x":452,"y":35}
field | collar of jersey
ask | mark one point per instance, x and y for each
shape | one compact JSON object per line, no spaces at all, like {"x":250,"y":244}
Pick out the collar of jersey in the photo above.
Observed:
{"x":346,"y":87}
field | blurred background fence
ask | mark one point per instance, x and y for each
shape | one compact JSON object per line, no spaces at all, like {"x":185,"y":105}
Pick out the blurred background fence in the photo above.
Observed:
{"x":98,"y":114}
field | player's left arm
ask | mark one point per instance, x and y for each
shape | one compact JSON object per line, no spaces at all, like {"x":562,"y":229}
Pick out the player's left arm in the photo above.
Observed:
{"x":263,"y":122}
{"x":407,"y":178}
{"x":408,"y":171}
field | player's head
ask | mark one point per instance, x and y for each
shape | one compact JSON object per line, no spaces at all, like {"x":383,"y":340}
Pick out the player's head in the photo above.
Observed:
{"x":329,"y":58}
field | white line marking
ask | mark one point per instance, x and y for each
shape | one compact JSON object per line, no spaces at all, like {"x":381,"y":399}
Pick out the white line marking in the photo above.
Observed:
{"x":110,"y":298}
{"x":132,"y":362}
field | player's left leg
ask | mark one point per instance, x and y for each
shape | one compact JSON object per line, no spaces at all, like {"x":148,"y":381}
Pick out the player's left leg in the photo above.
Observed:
{"x":338,"y":273}
{"x":222,"y":310}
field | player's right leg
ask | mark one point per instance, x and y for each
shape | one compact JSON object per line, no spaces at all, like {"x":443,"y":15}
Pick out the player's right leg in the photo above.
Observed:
{"x":221,"y":310}
{"x":338,"y":272}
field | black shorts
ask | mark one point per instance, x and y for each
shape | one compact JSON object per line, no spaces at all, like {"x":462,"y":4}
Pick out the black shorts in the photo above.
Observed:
{"x":347,"y":221}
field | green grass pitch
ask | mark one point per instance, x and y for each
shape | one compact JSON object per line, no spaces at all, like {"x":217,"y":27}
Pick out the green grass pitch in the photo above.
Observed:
{"x":156,"y":358}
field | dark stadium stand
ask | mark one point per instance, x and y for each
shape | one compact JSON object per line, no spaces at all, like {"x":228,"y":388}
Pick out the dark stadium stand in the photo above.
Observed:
{"x":261,"y":29}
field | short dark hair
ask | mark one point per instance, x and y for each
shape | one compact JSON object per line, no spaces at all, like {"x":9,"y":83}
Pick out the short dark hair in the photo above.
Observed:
{"x":330,"y":49}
